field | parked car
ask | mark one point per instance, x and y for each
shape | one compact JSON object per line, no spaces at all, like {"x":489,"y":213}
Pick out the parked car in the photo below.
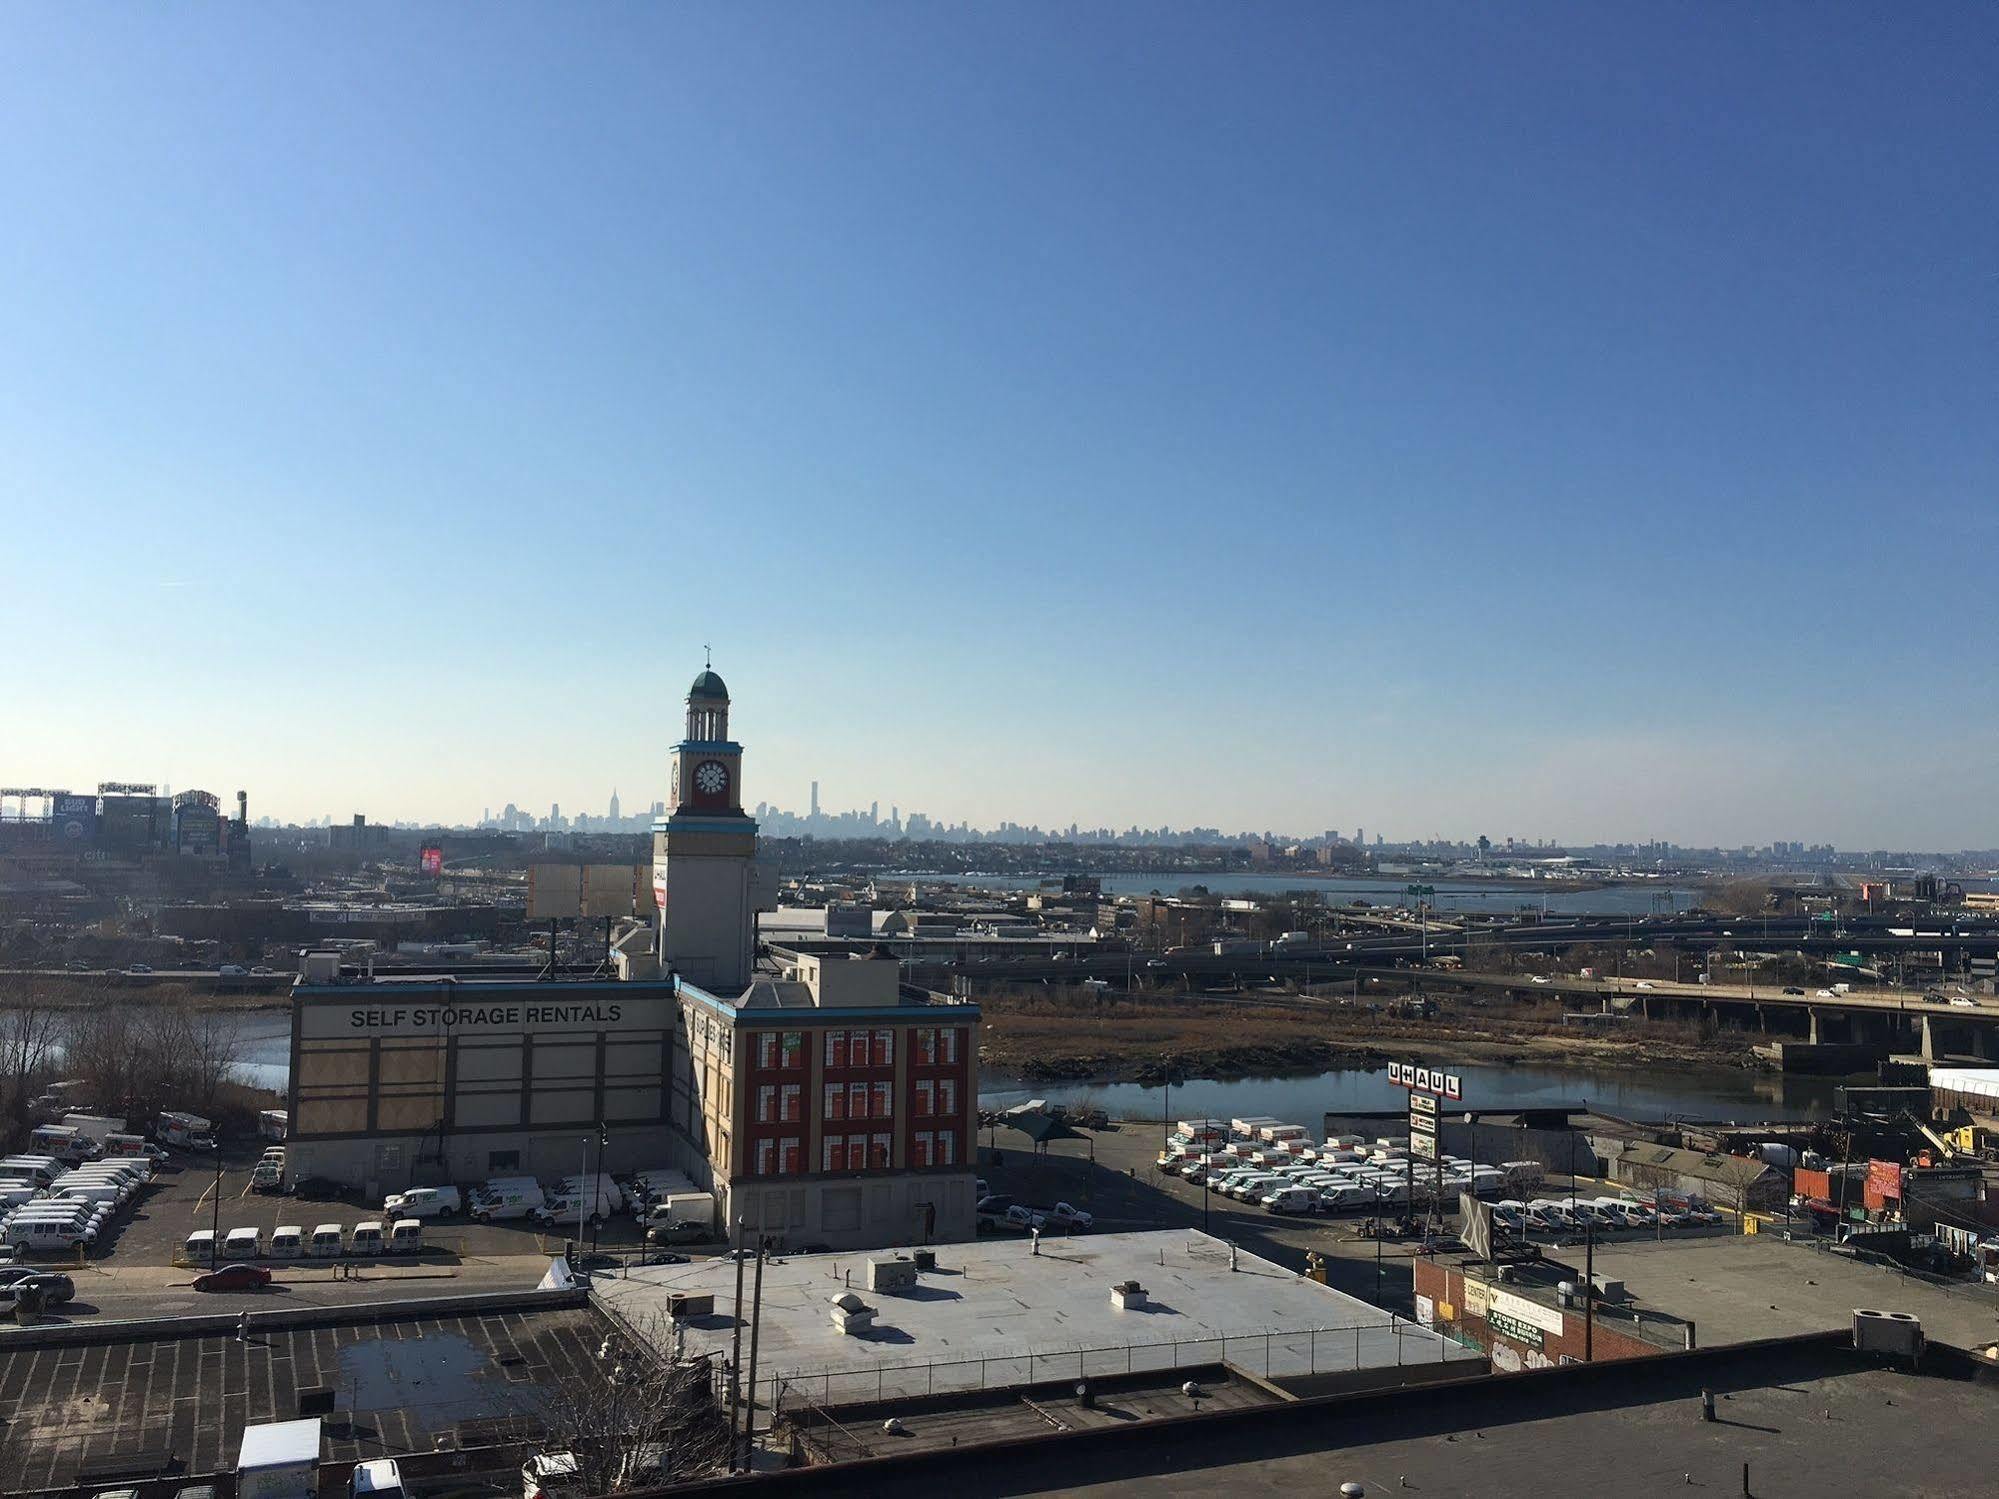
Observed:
{"x":237,"y":1277}
{"x":424,"y":1202}
{"x":1062,"y":1215}
{"x":379,"y":1478}
{"x":54,"y":1286}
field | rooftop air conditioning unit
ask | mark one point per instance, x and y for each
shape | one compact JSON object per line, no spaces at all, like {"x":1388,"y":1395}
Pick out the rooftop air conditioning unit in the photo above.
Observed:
{"x":1608,"y":1287}
{"x":1128,"y":1296}
{"x":897,"y":1273}
{"x":687,"y":1304}
{"x":1895,"y":1333}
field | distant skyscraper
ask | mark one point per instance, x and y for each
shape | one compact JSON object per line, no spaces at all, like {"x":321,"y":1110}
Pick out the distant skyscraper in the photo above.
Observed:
{"x":614,"y":804}
{"x":874,"y":812}
{"x":815,"y":799}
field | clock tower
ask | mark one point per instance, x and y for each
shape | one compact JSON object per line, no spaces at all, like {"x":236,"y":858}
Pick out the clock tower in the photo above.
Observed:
{"x":704,"y":852}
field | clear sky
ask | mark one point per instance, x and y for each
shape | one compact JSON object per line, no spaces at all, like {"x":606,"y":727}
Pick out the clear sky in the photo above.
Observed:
{"x":1567,"y":421}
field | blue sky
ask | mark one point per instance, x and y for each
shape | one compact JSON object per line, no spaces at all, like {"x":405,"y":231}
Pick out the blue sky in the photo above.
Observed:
{"x":1536,"y":420}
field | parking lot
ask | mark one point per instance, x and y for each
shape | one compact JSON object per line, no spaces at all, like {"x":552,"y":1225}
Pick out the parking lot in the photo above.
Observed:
{"x":1110,"y":1174}
{"x":131,"y":1270}
{"x":119,"y":1407}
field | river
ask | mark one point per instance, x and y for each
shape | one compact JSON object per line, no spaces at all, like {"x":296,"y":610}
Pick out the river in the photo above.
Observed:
{"x":1706,"y":1093}
{"x":264,"y":1060}
{"x":1495,"y":896}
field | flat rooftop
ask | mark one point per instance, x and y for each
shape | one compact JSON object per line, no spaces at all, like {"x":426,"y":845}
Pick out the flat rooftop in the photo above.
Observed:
{"x":399,"y":1383}
{"x":993,"y":1315}
{"x":1873,"y":1432}
{"x":1736,"y":1289}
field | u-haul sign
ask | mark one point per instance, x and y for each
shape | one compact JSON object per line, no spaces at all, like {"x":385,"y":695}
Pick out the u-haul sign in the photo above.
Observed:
{"x":1426,"y":1079}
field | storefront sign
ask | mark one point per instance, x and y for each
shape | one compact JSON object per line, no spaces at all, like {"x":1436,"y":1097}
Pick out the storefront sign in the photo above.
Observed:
{"x":1474,"y":1297}
{"x":1520,"y":1309}
{"x":1514,"y":1330}
{"x":609,"y":1007}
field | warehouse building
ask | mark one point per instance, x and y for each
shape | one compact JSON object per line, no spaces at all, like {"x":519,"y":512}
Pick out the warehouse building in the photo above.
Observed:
{"x":395,"y":1082}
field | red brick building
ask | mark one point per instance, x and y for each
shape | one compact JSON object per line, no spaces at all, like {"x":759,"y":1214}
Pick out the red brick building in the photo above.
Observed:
{"x":832,"y":1106}
{"x":1522,"y":1323}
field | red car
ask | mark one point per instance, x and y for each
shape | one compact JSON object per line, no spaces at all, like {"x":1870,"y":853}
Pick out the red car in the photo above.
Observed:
{"x":234,"y":1278}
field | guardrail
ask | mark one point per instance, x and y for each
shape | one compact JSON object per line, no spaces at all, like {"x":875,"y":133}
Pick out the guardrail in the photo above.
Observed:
{"x":226,"y":1323}
{"x":1275,"y":1353}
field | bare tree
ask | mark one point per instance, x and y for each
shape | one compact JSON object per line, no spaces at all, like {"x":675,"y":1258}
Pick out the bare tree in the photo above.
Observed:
{"x":139,"y":1061}
{"x":31,"y":1032}
{"x":651,"y":1421}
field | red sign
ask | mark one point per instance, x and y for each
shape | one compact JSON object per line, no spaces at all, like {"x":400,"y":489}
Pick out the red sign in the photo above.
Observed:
{"x":431,"y":861}
{"x":1884,"y":1179}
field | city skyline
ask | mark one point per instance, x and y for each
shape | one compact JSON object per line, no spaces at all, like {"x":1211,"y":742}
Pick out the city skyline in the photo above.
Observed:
{"x":1347,"y":414}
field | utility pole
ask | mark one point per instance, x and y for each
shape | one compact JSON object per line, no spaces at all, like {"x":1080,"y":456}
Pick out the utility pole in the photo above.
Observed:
{"x":1589,"y":1291}
{"x":736,"y":1353}
{"x":756,"y":1325}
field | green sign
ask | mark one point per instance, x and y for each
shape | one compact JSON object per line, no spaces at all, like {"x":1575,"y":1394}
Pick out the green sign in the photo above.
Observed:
{"x":1422,"y":890}
{"x":1514,"y":1329}
{"x":1846,"y":959}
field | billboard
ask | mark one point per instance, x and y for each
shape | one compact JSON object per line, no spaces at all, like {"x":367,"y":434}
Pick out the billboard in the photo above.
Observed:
{"x":431,"y":862}
{"x":1884,"y":1179}
{"x":76,"y":818}
{"x":561,"y":891}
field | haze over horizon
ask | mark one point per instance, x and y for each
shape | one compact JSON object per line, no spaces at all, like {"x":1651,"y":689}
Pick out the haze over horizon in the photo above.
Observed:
{"x":1556,"y":421}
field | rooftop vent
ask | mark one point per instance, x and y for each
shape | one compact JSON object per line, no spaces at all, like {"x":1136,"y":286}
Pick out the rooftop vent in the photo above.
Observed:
{"x":851,"y":1315}
{"x":897,"y":1273}
{"x":1128,"y":1296}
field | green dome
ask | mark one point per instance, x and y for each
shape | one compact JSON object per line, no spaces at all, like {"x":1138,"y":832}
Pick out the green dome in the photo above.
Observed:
{"x":708,"y":685}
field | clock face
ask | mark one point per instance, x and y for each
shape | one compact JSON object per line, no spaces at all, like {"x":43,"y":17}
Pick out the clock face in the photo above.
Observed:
{"x":711,"y":778}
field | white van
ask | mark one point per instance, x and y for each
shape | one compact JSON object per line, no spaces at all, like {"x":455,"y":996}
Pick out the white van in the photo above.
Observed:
{"x":287,"y":1241}
{"x":132,"y":1173}
{"x":1292,"y":1200}
{"x":1258,"y":1186}
{"x":424,"y":1202}
{"x":366,"y":1238}
{"x":66,"y":1210}
{"x":405,"y":1236}
{"x":243,"y":1244}
{"x":200,"y":1247}
{"x":109,"y":1193}
{"x":505,"y":1200}
{"x":132,"y":1147}
{"x":39,"y":1169}
{"x":607,"y":1186}
{"x":567,"y":1201}
{"x":32,"y":1235}
{"x":329,"y":1242}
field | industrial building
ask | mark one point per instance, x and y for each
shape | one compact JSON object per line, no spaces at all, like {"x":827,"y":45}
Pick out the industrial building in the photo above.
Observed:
{"x":998,"y":1314}
{"x":837,"y":1106}
{"x":823,"y":1101}
{"x":395,"y":1082}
